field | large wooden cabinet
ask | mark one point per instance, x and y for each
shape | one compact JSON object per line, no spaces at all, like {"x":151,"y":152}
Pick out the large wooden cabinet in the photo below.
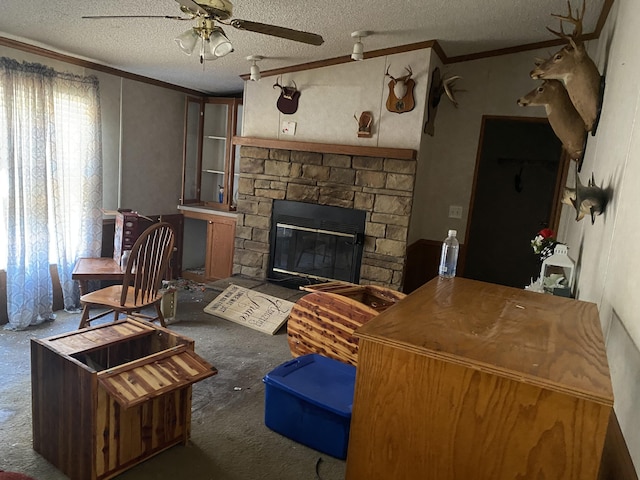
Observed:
{"x":469,"y":380}
{"x":210,"y":162}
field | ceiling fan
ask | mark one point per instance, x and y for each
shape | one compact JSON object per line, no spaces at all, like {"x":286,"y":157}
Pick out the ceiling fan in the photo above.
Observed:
{"x":214,"y":42}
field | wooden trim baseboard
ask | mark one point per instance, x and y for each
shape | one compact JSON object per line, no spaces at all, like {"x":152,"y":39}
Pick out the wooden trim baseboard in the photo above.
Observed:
{"x":357,"y":150}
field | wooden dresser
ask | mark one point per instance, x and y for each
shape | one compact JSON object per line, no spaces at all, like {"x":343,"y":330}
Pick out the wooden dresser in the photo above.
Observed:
{"x":469,"y":380}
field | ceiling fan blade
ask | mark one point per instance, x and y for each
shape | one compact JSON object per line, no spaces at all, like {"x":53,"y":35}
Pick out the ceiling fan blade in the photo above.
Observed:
{"x":288,"y":33}
{"x":193,"y":6}
{"x":170,"y":17}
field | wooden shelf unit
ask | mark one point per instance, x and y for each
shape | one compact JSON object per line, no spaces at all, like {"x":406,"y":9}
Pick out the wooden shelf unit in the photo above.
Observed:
{"x":209,"y":158}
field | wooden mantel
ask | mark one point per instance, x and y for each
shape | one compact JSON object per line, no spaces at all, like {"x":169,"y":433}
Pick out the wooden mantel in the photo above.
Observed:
{"x":357,"y":150}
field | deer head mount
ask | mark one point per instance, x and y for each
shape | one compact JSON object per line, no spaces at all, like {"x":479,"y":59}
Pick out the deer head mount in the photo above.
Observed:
{"x":288,"y":101}
{"x":565,"y":121}
{"x":400,"y":98}
{"x":439,"y":87}
{"x":573,"y":66}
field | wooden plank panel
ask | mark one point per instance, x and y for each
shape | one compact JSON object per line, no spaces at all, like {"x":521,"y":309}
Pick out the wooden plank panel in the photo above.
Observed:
{"x":548,"y":341}
{"x":435,"y":420}
{"x":98,"y":337}
{"x":102,"y":432}
{"x":132,"y":383}
{"x":58,"y":389}
{"x":358,"y":150}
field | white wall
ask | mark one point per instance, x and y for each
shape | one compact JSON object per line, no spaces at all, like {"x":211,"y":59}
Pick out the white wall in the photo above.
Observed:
{"x":331,"y":96}
{"x":142,"y":137}
{"x":607,"y":253}
{"x":152,"y":144}
{"x":489,"y":86}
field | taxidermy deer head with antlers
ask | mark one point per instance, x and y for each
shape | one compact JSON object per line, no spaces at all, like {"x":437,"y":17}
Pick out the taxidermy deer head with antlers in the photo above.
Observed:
{"x":400,"y":98}
{"x":573,"y":66}
{"x":565,"y":121}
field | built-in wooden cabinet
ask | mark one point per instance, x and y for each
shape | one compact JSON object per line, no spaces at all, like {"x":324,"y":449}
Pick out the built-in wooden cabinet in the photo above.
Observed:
{"x":210,"y":162}
{"x":209,"y":186}
{"x":209,"y":237}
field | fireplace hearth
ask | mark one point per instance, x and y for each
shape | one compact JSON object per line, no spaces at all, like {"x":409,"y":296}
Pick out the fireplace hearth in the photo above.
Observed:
{"x":293,"y":245}
{"x":312,"y":243}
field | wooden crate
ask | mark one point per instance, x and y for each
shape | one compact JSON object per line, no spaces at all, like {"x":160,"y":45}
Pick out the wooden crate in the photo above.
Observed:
{"x":106,"y":398}
{"x":469,"y":380}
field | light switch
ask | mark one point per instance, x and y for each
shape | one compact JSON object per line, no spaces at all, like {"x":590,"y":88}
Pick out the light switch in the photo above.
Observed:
{"x":455,"y":211}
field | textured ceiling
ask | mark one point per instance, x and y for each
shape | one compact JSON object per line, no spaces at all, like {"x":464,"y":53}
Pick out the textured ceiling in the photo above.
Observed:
{"x":146,"y":46}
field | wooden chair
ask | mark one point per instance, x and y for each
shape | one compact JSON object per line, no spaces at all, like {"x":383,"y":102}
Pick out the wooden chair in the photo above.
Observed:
{"x":140,"y":287}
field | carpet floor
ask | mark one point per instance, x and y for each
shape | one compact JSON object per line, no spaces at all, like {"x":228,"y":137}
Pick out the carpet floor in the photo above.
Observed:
{"x":229,"y":440}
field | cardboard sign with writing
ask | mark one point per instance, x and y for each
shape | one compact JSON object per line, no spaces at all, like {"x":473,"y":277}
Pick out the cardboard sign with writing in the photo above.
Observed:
{"x":250,"y":308}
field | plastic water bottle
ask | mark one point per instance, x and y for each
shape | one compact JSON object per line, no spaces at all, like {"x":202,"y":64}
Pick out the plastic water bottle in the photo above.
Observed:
{"x":449,"y":256}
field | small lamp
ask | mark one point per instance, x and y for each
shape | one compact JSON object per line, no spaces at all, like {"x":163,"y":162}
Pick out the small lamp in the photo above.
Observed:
{"x":358,"y":47}
{"x":255,"y":70}
{"x":557,"y":272}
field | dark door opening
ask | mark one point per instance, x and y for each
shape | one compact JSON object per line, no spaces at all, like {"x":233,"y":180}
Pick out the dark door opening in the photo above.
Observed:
{"x":517,"y":180}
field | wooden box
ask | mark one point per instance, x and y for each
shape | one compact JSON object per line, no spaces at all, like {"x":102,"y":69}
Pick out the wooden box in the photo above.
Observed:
{"x":106,"y":398}
{"x":469,"y":380}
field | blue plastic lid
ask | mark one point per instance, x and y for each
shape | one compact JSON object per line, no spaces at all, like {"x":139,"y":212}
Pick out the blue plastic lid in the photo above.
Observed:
{"x":322,"y":381}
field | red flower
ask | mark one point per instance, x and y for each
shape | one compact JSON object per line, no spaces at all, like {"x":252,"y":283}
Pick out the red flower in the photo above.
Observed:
{"x":546,"y":233}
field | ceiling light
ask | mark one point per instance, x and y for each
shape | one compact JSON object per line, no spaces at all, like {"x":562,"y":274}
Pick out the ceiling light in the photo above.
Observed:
{"x":220,"y":44}
{"x":187,"y":41}
{"x":358,"y":48}
{"x":214,"y":43}
{"x":255,"y":71}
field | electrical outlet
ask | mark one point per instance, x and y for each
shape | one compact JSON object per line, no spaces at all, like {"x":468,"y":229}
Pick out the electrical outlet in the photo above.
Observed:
{"x":288,"y":128}
{"x":455,"y":211}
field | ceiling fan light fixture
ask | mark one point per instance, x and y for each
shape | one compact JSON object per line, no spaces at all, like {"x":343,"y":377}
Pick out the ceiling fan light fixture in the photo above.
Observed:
{"x":255,"y":70}
{"x":220,"y":44}
{"x":187,"y":41}
{"x":206,"y":51}
{"x":358,"y":48}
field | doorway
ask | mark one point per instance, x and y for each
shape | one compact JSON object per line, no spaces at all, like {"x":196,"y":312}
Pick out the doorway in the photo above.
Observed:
{"x":518,"y":177}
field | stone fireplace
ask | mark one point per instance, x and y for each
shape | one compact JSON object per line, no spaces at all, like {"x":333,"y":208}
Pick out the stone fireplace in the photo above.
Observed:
{"x":378,"y":181}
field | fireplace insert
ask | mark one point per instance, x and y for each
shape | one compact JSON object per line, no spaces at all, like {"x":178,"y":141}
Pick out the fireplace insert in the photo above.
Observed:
{"x":312,"y":243}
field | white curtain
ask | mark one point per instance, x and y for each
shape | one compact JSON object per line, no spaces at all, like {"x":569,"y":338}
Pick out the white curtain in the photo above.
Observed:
{"x":50,"y":198}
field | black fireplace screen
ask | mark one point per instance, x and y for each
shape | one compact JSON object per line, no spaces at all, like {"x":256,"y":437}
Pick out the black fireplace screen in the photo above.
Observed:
{"x":311,"y":243}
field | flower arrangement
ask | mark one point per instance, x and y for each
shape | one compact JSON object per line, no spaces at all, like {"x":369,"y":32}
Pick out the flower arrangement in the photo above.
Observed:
{"x":543,"y":243}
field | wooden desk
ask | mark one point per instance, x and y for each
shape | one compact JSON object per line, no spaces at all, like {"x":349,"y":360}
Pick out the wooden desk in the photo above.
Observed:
{"x":469,"y":380}
{"x":100,"y":268}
